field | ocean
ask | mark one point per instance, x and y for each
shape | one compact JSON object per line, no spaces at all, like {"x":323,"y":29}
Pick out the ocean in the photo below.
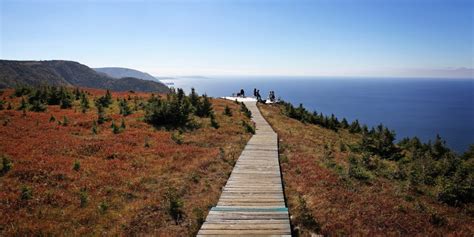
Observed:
{"x":409,"y":106}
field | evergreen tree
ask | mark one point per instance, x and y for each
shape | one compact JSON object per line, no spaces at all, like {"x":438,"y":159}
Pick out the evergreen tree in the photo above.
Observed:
{"x":77,"y":94}
{"x":85,"y":105}
{"x":194,"y":98}
{"x":245,"y":110}
{"x":23,"y":104}
{"x":105,"y":101}
{"x":65,"y":121}
{"x":115,"y":129}
{"x":214,"y":123}
{"x":344,"y":123}
{"x":94,"y":127}
{"x":355,"y":127}
{"x":122,"y":124}
{"x":38,"y":106}
{"x":100,"y":114}
{"x":66,"y":103}
{"x":204,"y":107}
{"x":54,"y":96}
{"x":227,"y":111}
{"x":124,"y":108}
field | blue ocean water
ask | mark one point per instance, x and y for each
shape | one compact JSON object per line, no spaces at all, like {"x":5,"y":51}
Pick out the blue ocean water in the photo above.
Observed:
{"x":410,"y":107}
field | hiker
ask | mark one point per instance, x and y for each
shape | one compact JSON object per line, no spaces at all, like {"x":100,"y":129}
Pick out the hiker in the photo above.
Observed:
{"x":242,"y":93}
{"x":271,"y":96}
{"x":259,"y":98}
{"x":255,"y":92}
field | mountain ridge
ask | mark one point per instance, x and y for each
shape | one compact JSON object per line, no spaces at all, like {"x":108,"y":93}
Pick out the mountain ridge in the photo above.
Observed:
{"x":68,"y":73}
{"x":121,"y":72}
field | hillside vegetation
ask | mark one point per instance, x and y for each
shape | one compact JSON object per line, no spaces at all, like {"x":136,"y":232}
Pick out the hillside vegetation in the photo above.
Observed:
{"x":68,"y":73}
{"x":346,"y":179}
{"x":94,"y":162}
{"x":119,"y":72}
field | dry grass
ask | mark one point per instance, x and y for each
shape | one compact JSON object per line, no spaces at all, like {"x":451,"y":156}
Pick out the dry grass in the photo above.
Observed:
{"x":318,"y":188}
{"x":122,"y":179}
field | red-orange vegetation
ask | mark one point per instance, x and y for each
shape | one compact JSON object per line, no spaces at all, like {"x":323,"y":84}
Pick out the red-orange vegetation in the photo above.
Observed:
{"x":83,"y":183}
{"x":340,"y":205}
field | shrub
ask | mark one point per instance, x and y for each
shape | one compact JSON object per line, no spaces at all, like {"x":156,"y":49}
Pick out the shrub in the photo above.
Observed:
{"x":65,"y":121}
{"x":204,"y":107}
{"x":357,"y":171}
{"x":248,"y":128}
{"x":125,"y":110}
{"x":177,"y":138}
{"x":85,"y":105}
{"x":173,"y":112}
{"x":38,"y":106}
{"x":103,"y":207}
{"x":26,"y":193}
{"x":94,"y":128}
{"x":5,"y":164}
{"x":23,"y":105}
{"x":214,"y":123}
{"x":245,"y":110}
{"x":83,"y":197}
{"x":194,"y":98}
{"x":115,"y":129}
{"x":101,"y":115}
{"x":105,"y":100}
{"x":66,"y":102}
{"x":305,"y":216}
{"x":175,"y":205}
{"x":227,"y":111}
{"x":76,"y":166}
{"x":122,"y":124}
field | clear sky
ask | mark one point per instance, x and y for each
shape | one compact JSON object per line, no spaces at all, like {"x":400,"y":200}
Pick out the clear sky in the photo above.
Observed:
{"x":166,"y":38}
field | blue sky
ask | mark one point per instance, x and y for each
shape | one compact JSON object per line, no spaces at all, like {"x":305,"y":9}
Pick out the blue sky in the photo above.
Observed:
{"x":305,"y":38}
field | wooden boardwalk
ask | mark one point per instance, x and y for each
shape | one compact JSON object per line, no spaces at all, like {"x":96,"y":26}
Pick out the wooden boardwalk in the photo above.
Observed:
{"x":252,"y":201}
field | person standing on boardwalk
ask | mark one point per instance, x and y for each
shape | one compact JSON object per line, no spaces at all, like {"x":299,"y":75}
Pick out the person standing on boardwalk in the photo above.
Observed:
{"x":257,"y":94}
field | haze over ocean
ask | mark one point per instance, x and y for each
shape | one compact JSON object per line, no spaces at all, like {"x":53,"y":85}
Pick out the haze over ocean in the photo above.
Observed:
{"x":410,"y":106}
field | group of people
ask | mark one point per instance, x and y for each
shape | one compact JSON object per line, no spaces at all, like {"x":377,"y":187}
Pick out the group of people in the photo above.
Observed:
{"x":256,"y":94}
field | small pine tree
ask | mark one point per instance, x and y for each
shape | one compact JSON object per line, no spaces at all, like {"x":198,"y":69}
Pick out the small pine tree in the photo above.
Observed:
{"x":94,"y":128}
{"x":9,"y":107}
{"x":125,"y":110}
{"x":122,"y":124}
{"x":65,"y":121}
{"x":204,"y":107}
{"x":100,"y":114}
{"x":38,"y":106}
{"x":76,"y":166}
{"x":227,"y":111}
{"x":26,"y":193}
{"x":85,"y":105}
{"x":23,"y":104}
{"x":245,"y":110}
{"x":248,"y":128}
{"x":214,"y":123}
{"x":52,"y":118}
{"x":115,"y":129}
{"x":194,"y":98}
{"x":355,"y":127}
{"x":84,"y":198}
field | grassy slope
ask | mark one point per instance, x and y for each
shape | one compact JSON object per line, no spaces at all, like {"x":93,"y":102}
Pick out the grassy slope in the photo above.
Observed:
{"x":125,"y":182}
{"x":322,"y":198}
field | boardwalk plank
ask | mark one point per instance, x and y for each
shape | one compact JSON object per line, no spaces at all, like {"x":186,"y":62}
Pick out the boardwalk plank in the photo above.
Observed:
{"x":252,"y":201}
